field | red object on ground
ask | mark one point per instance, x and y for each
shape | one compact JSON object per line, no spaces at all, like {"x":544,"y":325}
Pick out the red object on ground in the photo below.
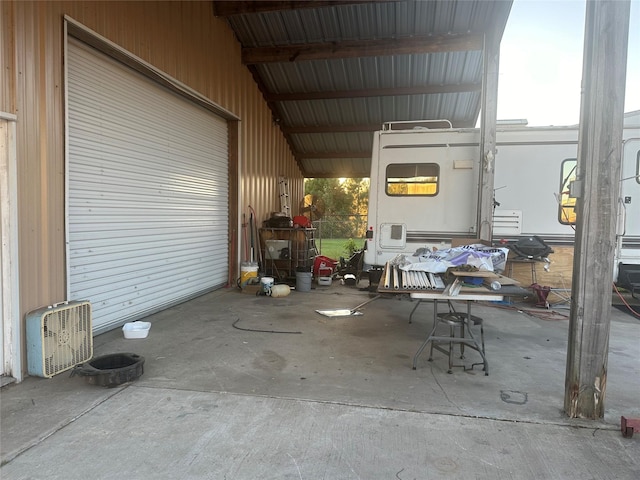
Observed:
{"x":542,"y":293}
{"x":629,"y":425}
{"x":325,"y":272}
{"x":324,"y":263}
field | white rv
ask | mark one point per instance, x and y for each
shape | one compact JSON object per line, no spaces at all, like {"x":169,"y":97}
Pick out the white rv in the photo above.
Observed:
{"x":424,"y":188}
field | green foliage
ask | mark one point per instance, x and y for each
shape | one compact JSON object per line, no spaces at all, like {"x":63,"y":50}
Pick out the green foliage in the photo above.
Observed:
{"x":331,"y":247}
{"x":336,"y":199}
{"x":358,"y":190}
{"x":340,"y":198}
{"x":336,"y":247}
{"x":345,"y":204}
{"x":351,"y":247}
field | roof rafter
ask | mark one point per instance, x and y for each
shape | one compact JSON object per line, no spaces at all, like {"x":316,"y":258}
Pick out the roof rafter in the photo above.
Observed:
{"x":374,"y":92}
{"x":302,"y":155}
{"x":230,"y":8}
{"x":291,"y":130}
{"x":368,"y":48}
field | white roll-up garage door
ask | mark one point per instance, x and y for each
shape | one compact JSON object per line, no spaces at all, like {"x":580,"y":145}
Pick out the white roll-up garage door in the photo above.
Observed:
{"x":147,"y":192}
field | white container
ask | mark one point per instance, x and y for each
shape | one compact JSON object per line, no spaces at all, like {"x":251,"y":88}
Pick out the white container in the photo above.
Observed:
{"x":324,"y":281}
{"x":280,"y":291}
{"x":136,"y":329}
{"x":266,"y":283}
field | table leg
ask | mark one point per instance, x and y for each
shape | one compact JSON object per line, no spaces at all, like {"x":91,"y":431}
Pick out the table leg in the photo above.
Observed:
{"x":471,"y":341}
{"x":480,"y":350}
{"x":426,"y":342}
{"x":414,"y":309}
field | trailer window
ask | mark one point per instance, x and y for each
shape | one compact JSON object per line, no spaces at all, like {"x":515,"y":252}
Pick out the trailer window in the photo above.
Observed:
{"x":638,"y":168}
{"x":417,"y":179}
{"x":567,"y":206}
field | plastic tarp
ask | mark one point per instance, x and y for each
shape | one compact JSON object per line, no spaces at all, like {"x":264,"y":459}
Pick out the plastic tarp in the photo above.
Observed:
{"x":486,"y":259}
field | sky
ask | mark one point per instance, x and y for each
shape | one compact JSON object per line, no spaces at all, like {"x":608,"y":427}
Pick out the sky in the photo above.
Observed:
{"x":541,"y":62}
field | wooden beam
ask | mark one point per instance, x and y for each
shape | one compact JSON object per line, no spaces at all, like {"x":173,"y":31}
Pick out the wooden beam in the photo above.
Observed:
{"x":302,"y":155}
{"x":341,"y":174}
{"x":230,"y":8}
{"x":374,"y":92}
{"x":368,"y":48}
{"x":598,"y":183}
{"x":374,"y":127}
{"x":331,"y":129}
{"x":487,"y":151}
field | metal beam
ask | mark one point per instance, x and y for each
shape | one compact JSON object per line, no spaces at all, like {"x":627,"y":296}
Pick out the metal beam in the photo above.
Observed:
{"x":375,"y":92}
{"x":301,"y":155}
{"x":330,"y":129}
{"x":368,"y":48}
{"x":598,"y":183}
{"x":230,"y":8}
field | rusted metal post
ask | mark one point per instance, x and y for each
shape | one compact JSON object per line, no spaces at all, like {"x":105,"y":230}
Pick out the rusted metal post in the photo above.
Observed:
{"x":597,"y":187}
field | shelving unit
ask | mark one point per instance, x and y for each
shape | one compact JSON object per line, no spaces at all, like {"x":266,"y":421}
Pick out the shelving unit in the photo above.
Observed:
{"x":286,"y":249}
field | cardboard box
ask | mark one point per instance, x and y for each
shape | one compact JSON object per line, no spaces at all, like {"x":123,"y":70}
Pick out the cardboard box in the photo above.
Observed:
{"x":252,"y":289}
{"x":458,"y":242}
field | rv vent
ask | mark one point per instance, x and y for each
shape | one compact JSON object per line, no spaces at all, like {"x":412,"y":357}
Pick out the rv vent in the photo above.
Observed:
{"x":59,"y":337}
{"x":507,"y":222}
{"x":396,"y":232}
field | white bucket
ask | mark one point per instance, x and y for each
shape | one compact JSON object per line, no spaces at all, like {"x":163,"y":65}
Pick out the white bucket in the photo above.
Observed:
{"x":267,"y":284}
{"x":248,"y":273}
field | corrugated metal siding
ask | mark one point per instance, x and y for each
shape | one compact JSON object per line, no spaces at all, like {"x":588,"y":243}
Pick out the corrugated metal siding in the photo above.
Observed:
{"x":364,"y":21}
{"x":337,"y":167}
{"x":318,"y":142}
{"x":377,"y":110}
{"x":184,"y":40}
{"x":7,"y":58}
{"x":148,"y":192}
{"x":372,"y":72}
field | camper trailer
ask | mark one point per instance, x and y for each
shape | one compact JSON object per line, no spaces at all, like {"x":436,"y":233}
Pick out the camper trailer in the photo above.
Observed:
{"x":424,"y":188}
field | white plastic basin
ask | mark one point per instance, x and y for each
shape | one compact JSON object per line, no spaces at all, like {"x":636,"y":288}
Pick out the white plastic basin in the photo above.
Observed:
{"x":136,"y":329}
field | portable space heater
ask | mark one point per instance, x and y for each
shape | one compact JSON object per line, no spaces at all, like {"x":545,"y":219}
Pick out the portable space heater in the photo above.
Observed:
{"x":59,"y":337}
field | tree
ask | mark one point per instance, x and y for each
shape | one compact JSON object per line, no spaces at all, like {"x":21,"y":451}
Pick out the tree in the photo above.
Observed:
{"x":336,"y":200}
{"x":345,"y":205}
{"x":358,"y":189}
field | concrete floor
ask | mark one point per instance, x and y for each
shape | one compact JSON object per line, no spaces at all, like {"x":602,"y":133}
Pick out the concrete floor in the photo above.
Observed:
{"x":337,"y":401}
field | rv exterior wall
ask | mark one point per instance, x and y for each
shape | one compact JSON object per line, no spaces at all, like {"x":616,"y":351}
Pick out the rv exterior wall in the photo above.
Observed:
{"x":527,"y":183}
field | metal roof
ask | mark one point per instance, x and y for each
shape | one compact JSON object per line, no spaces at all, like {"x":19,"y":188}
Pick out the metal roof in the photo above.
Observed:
{"x":333,"y":72}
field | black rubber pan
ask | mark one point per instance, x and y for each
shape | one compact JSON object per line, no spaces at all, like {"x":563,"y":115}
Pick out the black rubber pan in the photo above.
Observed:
{"x":111,"y":370}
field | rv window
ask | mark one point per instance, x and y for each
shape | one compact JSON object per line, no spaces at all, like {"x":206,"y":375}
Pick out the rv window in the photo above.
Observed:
{"x":567,"y":206}
{"x":413,"y":179}
{"x":638,"y":168}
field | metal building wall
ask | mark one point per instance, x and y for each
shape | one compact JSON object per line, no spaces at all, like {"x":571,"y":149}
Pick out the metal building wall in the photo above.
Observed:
{"x":183,"y":39}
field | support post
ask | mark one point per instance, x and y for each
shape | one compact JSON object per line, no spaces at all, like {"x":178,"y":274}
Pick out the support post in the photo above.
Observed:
{"x":598,"y":185}
{"x":488,"y":114}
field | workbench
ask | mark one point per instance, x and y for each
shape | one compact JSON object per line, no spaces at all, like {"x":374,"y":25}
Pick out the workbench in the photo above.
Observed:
{"x":459,"y":323}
